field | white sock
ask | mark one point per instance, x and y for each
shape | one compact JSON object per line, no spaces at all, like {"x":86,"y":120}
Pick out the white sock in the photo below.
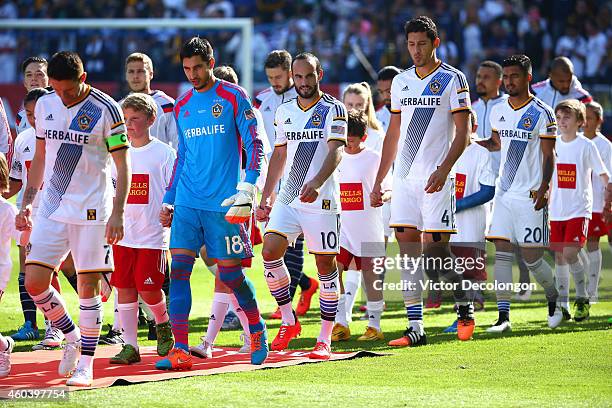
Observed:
{"x":562,"y":273}
{"x":594,"y":272}
{"x":341,"y":313}
{"x":543,"y":274}
{"x":375,"y":310}
{"x":217,"y":313}
{"x":90,"y":322}
{"x":159,"y":311}
{"x":4,"y":344}
{"x":53,"y":306}
{"x":352,"y":283}
{"x":326,"y":331}
{"x":244,"y":320}
{"x":145,"y":309}
{"x":116,"y":317}
{"x":577,"y":271}
{"x":128,"y":313}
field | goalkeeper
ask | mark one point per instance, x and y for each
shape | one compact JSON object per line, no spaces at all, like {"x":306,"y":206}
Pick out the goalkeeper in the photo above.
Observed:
{"x":206,"y":204}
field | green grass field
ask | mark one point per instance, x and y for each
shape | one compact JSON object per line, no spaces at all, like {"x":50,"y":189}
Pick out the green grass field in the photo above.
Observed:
{"x":533,"y":365}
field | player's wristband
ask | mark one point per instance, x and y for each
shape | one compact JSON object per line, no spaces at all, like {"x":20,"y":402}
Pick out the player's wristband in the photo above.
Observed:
{"x":116,"y":142}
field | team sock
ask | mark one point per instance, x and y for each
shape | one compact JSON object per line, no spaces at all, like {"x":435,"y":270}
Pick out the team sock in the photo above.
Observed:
{"x":594,"y":272}
{"x":218,"y":310}
{"x":90,"y":322}
{"x":53,"y":306}
{"x":503,"y":276}
{"x":243,"y":289}
{"x":128,"y":313}
{"x":180,"y":298}
{"x":294,"y":259}
{"x":27,"y":304}
{"x":562,"y":280}
{"x":328,"y":302}
{"x":352,"y":283}
{"x":277,"y":277}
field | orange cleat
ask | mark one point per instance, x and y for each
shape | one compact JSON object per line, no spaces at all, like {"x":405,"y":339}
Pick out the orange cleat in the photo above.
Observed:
{"x":178,"y":359}
{"x":305,"y":298}
{"x":285,"y":334}
{"x":409,"y":339}
{"x":320,"y":352}
{"x":276,"y":315}
{"x":465,"y":322}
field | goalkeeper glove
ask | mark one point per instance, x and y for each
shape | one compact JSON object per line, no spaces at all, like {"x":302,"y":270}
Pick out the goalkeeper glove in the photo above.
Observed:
{"x":241,"y":204}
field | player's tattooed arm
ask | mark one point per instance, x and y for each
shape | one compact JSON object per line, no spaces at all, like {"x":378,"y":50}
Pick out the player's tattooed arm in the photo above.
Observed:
{"x":548,"y":167}
{"x":310,"y":189}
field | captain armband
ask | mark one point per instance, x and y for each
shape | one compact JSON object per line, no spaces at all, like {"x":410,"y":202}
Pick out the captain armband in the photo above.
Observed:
{"x":117,"y":142}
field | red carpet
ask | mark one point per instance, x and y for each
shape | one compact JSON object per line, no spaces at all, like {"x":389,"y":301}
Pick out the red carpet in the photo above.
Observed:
{"x":39,"y":369}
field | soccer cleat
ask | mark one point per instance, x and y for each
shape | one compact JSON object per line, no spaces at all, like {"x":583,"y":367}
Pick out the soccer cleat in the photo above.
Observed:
{"x":128,"y":355}
{"x":177,"y":359}
{"x":465,"y":322}
{"x":306,"y":297}
{"x":82,"y":377}
{"x":26,"y":332}
{"x":5,"y":358}
{"x":581,"y":309}
{"x":53,"y":339}
{"x":371,"y":334}
{"x":202,"y":350}
{"x":340,"y":333}
{"x":246,"y":346}
{"x":70,"y":358}
{"x":555,"y":315}
{"x":500,"y":326}
{"x":452,"y":328}
{"x":566,"y":314}
{"x":523,"y":295}
{"x":410,"y":339}
{"x":321,"y":351}
{"x":112,"y":337}
{"x":276,"y":315}
{"x":165,"y":341}
{"x":285,"y":334}
{"x":259,"y":346}
{"x":152,"y":335}
{"x":231,"y":321}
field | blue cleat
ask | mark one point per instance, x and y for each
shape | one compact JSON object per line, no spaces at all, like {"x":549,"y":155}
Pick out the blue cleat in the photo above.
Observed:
{"x":452,"y":328}
{"x":259,"y":346}
{"x":26,"y":332}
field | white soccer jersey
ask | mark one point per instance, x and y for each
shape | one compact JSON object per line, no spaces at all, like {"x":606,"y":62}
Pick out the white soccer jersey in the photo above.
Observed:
{"x":152,"y":167}
{"x":360,"y":223}
{"x":384,"y":117}
{"x":306,"y":132}
{"x":426,"y":104}
{"x":551,"y":96}
{"x":572,"y":191}
{"x":520,"y":130}
{"x":375,"y":140}
{"x":268,"y":101}
{"x":23,"y":154}
{"x":7,"y":233}
{"x":483,"y":109}
{"x":471,"y":170}
{"x":604,"y":147}
{"x":164,"y":127}
{"x":78,"y":141}
{"x":21,"y":121}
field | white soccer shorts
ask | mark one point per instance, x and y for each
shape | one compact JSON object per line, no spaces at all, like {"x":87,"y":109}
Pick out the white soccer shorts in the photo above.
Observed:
{"x":516,"y":220}
{"x":321,"y":231}
{"x":51,"y":241}
{"x":412,"y":207}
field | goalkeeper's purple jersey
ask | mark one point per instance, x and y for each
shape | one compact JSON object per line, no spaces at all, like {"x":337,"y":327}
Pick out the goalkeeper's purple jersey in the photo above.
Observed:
{"x":213,"y":127}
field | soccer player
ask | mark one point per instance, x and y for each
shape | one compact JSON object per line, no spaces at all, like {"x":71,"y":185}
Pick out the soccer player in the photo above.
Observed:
{"x":34,"y":70}
{"x":78,"y":130}
{"x":310,"y":134}
{"x":361,"y":228}
{"x":282,"y":89}
{"x":214,"y":120}
{"x":141,"y":256}
{"x":571,"y":203}
{"x":525,"y":128}
{"x":561,"y":84}
{"x":139,"y":74}
{"x":597,"y":225}
{"x":383,"y":86}
{"x":7,"y":233}
{"x":474,"y":187}
{"x":430,"y":102}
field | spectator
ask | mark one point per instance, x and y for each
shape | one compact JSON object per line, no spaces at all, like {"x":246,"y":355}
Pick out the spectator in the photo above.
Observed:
{"x":572,"y":46}
{"x":596,"y":51}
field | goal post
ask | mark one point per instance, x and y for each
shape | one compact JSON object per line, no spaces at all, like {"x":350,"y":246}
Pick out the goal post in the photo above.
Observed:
{"x":244,"y":25}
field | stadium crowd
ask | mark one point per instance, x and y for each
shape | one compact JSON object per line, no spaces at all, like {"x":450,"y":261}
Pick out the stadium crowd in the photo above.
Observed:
{"x":471,"y":30}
